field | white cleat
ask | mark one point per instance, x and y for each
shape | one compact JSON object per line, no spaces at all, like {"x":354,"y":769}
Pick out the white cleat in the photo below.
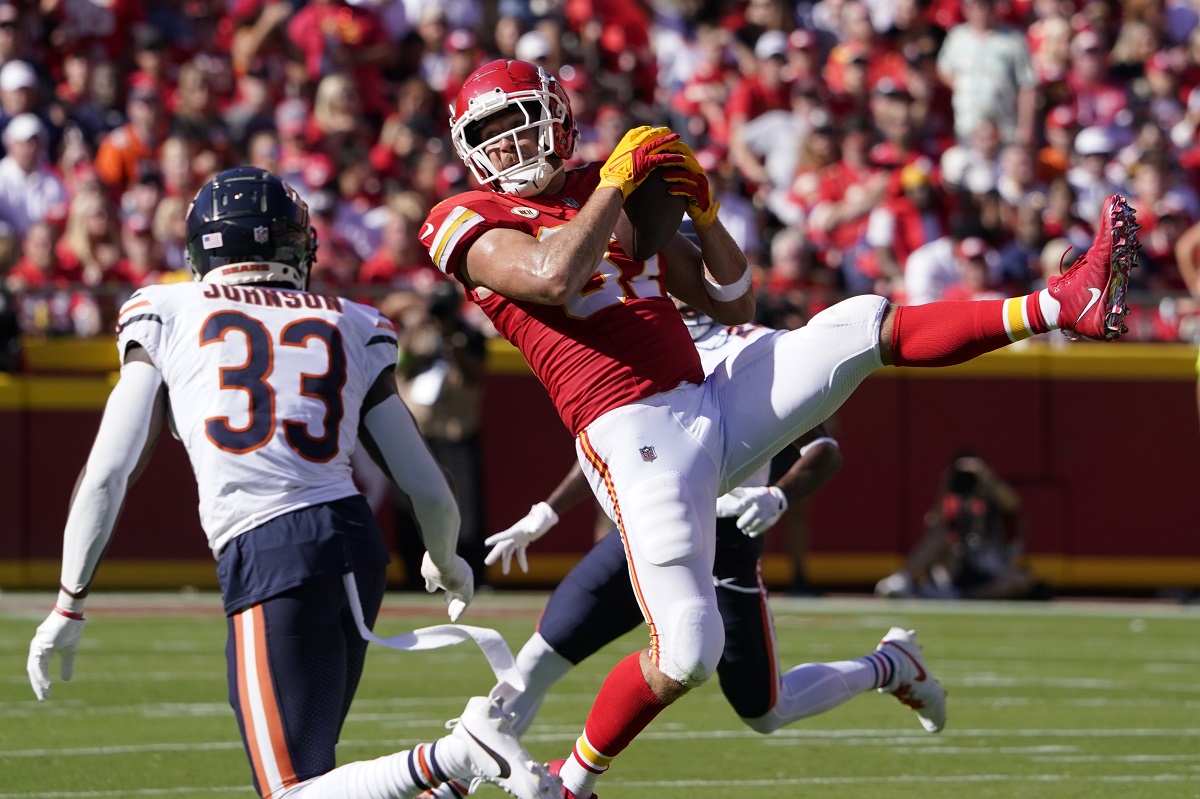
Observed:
{"x":913,"y":684}
{"x":497,"y":756}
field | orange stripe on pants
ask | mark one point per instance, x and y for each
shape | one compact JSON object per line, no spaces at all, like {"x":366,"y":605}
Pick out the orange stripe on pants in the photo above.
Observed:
{"x":268,"y":724}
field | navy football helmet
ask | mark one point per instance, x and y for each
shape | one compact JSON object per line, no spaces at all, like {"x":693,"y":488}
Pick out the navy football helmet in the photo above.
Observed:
{"x":247,"y":225}
{"x":698,"y":323}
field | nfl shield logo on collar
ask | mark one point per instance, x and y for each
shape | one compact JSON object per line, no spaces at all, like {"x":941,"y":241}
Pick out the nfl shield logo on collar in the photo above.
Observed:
{"x":261,"y":235}
{"x":648,"y":453}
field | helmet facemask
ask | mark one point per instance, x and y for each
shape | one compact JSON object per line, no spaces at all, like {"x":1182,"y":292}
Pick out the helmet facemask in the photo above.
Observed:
{"x":544,"y":113}
{"x":698,"y":323}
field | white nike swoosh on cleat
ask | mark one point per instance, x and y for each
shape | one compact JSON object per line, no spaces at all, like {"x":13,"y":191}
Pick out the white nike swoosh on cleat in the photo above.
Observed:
{"x":1095,"y":298}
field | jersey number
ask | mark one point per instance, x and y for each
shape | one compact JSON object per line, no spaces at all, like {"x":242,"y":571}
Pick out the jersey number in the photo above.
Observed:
{"x":251,"y":377}
{"x":613,"y":287}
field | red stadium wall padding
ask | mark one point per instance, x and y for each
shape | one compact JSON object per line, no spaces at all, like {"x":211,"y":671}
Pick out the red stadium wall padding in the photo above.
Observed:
{"x":1106,"y":457}
{"x":14,"y":493}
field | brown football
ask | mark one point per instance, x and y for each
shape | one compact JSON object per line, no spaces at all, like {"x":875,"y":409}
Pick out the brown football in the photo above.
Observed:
{"x":652,"y":215}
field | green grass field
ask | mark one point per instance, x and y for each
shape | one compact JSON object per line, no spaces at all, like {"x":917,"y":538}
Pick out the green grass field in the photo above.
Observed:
{"x":1064,"y":700}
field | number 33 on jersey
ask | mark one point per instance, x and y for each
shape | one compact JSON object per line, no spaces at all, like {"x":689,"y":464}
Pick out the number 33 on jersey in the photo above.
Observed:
{"x":265,"y":387}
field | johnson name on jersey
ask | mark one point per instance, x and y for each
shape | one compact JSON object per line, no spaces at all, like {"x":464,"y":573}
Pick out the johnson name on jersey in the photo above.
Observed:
{"x":265,"y":388}
{"x":623,"y":308}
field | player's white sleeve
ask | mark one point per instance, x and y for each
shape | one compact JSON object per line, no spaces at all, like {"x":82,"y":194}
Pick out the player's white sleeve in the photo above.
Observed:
{"x":416,"y":472}
{"x":124,"y":430}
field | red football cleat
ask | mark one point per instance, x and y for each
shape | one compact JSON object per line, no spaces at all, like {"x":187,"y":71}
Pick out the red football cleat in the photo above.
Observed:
{"x":1091,"y":293}
{"x":554,"y":767}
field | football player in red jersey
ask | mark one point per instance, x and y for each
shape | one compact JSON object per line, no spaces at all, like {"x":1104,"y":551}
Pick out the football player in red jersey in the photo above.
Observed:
{"x":657,"y":440}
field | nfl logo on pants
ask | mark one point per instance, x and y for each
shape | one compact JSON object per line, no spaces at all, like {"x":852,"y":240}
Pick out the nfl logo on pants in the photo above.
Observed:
{"x":648,"y":454}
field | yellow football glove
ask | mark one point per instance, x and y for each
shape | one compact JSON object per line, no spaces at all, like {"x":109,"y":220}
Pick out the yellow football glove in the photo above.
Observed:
{"x":702,"y":207}
{"x":637,"y":155}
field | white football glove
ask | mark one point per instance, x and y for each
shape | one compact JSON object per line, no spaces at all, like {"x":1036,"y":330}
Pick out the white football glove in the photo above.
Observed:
{"x":56,"y":634}
{"x":757,"y":509}
{"x":457,"y":581}
{"x":516,"y":539}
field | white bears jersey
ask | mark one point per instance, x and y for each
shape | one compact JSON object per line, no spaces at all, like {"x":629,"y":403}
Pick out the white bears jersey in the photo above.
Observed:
{"x":265,"y":388}
{"x":716,"y":344}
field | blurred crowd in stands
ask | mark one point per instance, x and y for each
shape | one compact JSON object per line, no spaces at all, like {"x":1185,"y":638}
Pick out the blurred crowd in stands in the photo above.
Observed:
{"x":921,"y":149}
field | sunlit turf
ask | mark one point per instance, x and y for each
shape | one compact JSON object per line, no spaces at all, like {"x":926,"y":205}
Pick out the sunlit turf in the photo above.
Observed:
{"x":1062,"y":700}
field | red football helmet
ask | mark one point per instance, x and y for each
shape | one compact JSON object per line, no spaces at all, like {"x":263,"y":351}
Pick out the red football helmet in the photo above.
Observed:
{"x":496,"y":87}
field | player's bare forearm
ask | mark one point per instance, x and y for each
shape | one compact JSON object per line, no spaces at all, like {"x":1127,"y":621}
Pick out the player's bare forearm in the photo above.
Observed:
{"x":548,"y":271}
{"x":725,"y":264}
{"x":571,"y":492}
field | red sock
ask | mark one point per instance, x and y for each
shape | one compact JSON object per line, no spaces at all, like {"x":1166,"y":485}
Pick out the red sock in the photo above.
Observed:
{"x":623,"y":708}
{"x":946,"y":333}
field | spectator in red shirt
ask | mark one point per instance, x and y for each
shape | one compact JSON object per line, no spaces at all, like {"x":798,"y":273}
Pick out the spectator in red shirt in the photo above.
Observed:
{"x":701,"y":102}
{"x":766,"y":89}
{"x":1096,"y":98}
{"x":102,"y":29}
{"x":141,"y":263}
{"x":40,"y":265}
{"x":804,"y":59}
{"x":76,"y":75}
{"x":1060,"y":219}
{"x":971,"y":259}
{"x":850,"y":95}
{"x":818,"y":150}
{"x":861,"y":39}
{"x":902,"y":224}
{"x":892,"y":113}
{"x":850,"y":189}
{"x":333,"y":35}
{"x":616,"y":33}
{"x":463,"y":54}
{"x":400,"y":261}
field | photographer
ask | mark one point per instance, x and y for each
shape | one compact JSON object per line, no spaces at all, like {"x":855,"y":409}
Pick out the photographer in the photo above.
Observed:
{"x":972,"y":541}
{"x":440,"y":378}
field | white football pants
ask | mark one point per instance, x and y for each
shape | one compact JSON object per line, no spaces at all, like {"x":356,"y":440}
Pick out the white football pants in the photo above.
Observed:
{"x":657,"y":466}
